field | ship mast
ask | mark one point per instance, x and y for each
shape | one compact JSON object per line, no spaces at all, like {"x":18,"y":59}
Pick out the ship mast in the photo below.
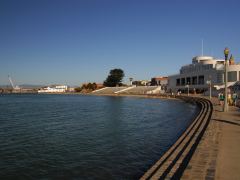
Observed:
{"x":11,"y":82}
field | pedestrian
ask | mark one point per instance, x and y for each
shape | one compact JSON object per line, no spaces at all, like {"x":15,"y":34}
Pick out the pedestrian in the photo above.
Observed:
{"x":179,"y":93}
{"x":234,"y":98}
{"x":221,"y":98}
{"x":229,"y":99}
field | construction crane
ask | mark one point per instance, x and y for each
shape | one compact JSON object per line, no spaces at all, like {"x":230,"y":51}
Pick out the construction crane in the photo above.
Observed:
{"x":11,"y":82}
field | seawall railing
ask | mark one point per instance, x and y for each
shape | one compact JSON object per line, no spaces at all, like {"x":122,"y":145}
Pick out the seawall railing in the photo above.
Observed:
{"x":173,"y":163}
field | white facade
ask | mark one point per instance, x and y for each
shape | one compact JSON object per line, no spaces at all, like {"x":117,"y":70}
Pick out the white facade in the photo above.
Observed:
{"x":203,"y":69}
{"x":54,"y":89}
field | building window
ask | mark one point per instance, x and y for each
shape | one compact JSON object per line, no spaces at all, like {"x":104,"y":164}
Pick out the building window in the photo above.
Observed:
{"x":194,"y":80}
{"x":220,"y":77}
{"x":182,"y":81}
{"x":200,"y":79}
{"x":188,"y":80}
{"x":232,"y":76}
{"x":178,"y":82}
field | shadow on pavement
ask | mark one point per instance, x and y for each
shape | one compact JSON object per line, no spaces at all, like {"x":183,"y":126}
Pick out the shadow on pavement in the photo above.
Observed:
{"x":225,"y":121}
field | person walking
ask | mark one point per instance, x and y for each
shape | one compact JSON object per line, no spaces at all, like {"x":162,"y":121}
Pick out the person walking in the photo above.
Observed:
{"x":221,"y":98}
{"x":229,"y":99}
{"x":234,"y":98}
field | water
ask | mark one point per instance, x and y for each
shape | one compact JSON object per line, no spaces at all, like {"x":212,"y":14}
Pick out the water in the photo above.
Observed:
{"x":86,"y":137}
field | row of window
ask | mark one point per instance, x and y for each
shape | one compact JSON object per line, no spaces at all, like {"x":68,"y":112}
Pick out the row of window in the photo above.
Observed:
{"x":199,"y":80}
{"x":195,"y":80}
{"x":232,"y":76}
{"x":196,"y":68}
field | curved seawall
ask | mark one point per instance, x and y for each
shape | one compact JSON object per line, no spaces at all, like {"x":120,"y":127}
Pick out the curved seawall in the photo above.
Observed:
{"x":173,"y":163}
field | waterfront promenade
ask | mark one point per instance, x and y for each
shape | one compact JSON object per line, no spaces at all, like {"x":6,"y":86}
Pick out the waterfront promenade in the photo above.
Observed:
{"x":218,"y":153}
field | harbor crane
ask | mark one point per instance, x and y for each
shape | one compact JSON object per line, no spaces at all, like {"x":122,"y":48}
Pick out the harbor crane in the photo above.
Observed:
{"x":11,"y":82}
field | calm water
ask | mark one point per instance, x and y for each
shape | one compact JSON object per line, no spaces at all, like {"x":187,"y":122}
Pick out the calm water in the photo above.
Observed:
{"x":86,"y":137}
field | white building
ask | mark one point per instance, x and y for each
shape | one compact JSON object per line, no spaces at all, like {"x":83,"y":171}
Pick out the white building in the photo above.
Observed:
{"x":54,"y":89}
{"x":202,"y":70}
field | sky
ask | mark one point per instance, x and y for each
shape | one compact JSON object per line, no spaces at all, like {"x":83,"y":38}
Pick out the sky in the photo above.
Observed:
{"x":71,"y":42}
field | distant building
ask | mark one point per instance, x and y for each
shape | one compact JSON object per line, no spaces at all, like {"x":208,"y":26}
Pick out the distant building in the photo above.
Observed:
{"x":54,"y":89}
{"x":97,"y":85}
{"x":141,"y":83}
{"x":203,"y":69}
{"x":71,"y":89}
{"x":158,"y":81}
{"x":161,"y":81}
{"x":100,"y":85}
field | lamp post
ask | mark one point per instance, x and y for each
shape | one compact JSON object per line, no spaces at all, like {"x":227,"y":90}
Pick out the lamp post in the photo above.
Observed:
{"x":187,"y":89}
{"x":226,"y":52}
{"x":210,"y":88}
{"x":210,"y":92}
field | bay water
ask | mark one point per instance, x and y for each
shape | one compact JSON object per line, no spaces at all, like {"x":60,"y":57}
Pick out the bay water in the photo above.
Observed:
{"x":86,"y":137}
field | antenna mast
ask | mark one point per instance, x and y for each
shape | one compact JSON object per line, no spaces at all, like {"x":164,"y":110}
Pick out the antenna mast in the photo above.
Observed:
{"x":202,"y":47}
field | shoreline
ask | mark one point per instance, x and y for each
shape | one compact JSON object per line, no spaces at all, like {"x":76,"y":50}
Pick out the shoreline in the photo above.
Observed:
{"x":212,"y":158}
{"x":153,"y":96}
{"x":217,"y":154}
{"x":137,"y":95}
{"x":174,"y":161}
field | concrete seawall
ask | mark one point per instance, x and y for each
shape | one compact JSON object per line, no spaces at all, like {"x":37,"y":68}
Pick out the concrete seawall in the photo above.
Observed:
{"x":173,"y":163}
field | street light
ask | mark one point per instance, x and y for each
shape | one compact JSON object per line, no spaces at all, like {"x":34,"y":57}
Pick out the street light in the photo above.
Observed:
{"x":188,"y":89}
{"x":226,"y":52}
{"x":210,"y":88}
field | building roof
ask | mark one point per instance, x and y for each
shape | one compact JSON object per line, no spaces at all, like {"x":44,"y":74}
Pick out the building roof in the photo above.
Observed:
{"x":161,"y":78}
{"x":237,"y":83}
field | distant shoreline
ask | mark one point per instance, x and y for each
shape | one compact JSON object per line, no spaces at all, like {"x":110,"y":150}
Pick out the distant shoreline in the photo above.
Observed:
{"x":152,"y":96}
{"x":160,"y":96}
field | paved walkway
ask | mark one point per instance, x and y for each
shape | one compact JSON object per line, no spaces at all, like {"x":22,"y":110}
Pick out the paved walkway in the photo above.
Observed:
{"x":218,"y":153}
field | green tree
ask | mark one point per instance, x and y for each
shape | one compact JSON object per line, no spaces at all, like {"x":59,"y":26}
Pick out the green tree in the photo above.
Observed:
{"x":89,"y":86}
{"x":114,"y":78}
{"x":77,"y":89}
{"x":94,"y":86}
{"x":84,"y":86}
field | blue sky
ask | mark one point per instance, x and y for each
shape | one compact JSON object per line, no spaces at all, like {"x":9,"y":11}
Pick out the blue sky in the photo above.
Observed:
{"x":77,"y":41}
